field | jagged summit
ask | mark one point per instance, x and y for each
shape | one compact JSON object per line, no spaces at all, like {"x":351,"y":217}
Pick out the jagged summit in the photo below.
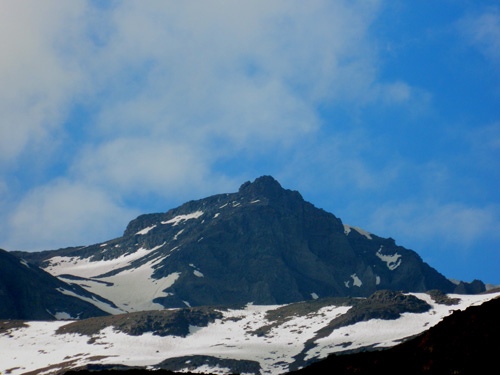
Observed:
{"x":262,"y":186}
{"x":262,"y":183}
{"x":266,"y":187}
{"x":262,"y":244}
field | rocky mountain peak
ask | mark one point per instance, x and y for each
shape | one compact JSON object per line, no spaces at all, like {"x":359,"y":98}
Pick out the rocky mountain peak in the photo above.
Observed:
{"x":266,"y":187}
{"x":263,"y":184}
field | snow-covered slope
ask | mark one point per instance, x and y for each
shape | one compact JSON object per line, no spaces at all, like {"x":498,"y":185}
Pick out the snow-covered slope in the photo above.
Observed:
{"x":265,"y":339}
{"x":125,"y":280}
{"x":27,"y":292}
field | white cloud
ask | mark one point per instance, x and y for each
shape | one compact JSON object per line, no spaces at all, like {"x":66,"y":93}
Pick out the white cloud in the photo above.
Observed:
{"x":138,"y":166}
{"x":482,"y":30}
{"x":36,"y":82}
{"x":64,"y":214}
{"x":457,"y":224}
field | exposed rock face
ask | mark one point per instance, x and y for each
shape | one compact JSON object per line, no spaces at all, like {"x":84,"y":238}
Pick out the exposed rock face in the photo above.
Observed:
{"x":263,"y":244}
{"x":383,"y":304}
{"x":29,"y":293}
{"x":160,"y":323}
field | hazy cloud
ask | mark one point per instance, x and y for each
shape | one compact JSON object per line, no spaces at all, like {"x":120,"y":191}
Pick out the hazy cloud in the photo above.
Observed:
{"x":482,"y":30}
{"x":36,"y":81}
{"x":455,"y":224}
{"x":64,"y":213}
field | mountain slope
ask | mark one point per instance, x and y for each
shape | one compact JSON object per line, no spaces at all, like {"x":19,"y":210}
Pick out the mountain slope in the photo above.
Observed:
{"x":249,"y":339}
{"x":29,"y":293}
{"x":263,"y":244}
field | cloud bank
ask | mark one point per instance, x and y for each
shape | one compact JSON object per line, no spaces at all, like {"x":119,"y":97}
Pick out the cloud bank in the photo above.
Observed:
{"x":112,"y":110}
{"x":146,"y":100}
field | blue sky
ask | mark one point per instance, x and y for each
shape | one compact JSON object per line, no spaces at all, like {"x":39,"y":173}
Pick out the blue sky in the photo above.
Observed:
{"x":384,"y":113}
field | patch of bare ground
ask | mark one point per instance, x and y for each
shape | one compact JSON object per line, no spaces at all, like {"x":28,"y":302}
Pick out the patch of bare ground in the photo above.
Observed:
{"x":7,"y":325}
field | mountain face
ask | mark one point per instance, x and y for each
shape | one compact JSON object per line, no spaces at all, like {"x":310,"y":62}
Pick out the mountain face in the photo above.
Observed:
{"x":263,"y":245}
{"x":29,"y":293}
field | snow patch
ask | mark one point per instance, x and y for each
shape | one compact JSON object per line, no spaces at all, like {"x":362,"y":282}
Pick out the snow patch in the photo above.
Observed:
{"x":181,"y":218}
{"x":217,"y":370}
{"x":146,"y":230}
{"x":63,"y":316}
{"x":356,"y":281}
{"x":177,"y":234}
{"x":84,"y":267}
{"x":348,"y":228}
{"x":392,"y":261}
{"x":198,"y":273}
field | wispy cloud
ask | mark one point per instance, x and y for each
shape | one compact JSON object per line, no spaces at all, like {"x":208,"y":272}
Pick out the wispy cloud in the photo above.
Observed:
{"x":455,"y":224}
{"x":173,"y":89}
{"x":37,"y":84}
{"x":62,"y":214}
{"x":482,"y":30}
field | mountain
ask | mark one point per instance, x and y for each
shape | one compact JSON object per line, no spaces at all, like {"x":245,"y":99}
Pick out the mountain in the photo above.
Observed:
{"x":259,"y":281}
{"x":29,"y":293}
{"x":263,"y":244}
{"x":251,"y":339}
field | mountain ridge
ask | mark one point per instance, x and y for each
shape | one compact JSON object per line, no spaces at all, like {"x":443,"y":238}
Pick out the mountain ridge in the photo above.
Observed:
{"x":262,"y":244}
{"x":253,"y":281}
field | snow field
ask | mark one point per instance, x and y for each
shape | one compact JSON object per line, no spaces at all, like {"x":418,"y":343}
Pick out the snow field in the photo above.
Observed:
{"x":38,"y":347}
{"x":132,"y":289}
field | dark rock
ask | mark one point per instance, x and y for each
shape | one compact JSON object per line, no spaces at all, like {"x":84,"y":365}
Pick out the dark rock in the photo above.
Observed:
{"x":160,"y":323}
{"x":29,"y":293}
{"x":475,"y":287}
{"x":192,"y":362}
